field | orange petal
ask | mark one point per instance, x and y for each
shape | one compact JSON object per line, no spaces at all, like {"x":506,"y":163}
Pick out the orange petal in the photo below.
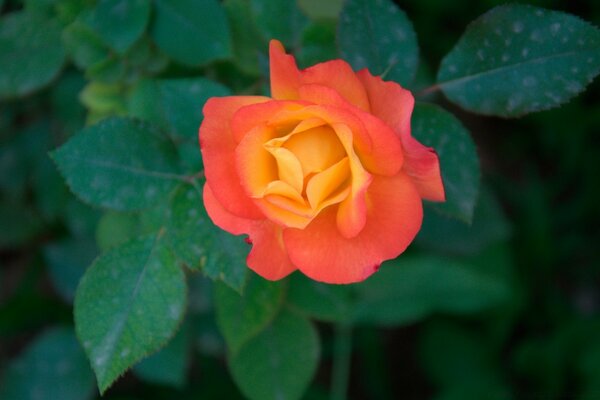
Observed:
{"x":423,"y":166}
{"x":389,"y":101}
{"x":256,"y":167}
{"x":288,"y":166}
{"x":284,"y":189}
{"x":223,"y":218}
{"x":394,"y":105}
{"x":336,"y":74}
{"x":352,"y":212}
{"x":218,"y":154}
{"x":284,"y":211}
{"x":324,"y":184}
{"x":394,"y":217}
{"x":253,"y":115}
{"x":385,"y":154}
{"x":285,"y":76}
{"x":316,"y":149}
{"x":268,"y":256}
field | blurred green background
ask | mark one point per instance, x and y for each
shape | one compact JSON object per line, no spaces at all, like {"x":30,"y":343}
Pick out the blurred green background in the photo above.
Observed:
{"x":536,"y":230}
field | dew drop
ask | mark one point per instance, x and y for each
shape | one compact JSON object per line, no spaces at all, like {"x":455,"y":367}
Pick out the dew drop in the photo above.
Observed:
{"x":513,"y":102}
{"x":99,"y":361}
{"x":480,"y":54}
{"x":573,"y":87}
{"x":517,"y":27}
{"x":552,"y":96}
{"x":529,"y":81}
{"x":150,"y":192}
{"x":174,"y":311}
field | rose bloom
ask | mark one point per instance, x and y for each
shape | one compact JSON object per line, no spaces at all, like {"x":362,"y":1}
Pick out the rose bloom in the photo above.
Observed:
{"x":324,"y":176}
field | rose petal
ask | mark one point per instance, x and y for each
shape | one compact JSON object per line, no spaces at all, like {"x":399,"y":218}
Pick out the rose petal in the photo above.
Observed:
{"x":288,"y":166}
{"x":284,"y":211}
{"x":255,"y":166}
{"x":324,"y":184}
{"x":336,"y":74}
{"x":352,"y":212}
{"x":268,"y":256}
{"x":385,"y":155}
{"x":248,"y":117}
{"x":394,"y":217}
{"x":223,"y":218}
{"x":317,"y":148}
{"x":394,"y":105}
{"x":423,"y":166}
{"x":218,"y":154}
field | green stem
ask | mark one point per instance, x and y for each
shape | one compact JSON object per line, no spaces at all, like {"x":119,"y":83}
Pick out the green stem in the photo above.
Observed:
{"x":342,"y":352}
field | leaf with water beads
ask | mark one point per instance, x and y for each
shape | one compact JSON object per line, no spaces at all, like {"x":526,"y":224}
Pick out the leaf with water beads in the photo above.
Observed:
{"x":517,"y":59}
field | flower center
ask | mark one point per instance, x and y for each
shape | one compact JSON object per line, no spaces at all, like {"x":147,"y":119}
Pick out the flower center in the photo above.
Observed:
{"x":313,"y":171}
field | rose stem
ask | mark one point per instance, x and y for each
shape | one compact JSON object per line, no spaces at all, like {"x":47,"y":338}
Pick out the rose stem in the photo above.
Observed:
{"x":341,"y":361}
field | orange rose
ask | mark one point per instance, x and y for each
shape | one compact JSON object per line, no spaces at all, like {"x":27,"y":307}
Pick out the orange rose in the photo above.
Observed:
{"x":324,"y":176}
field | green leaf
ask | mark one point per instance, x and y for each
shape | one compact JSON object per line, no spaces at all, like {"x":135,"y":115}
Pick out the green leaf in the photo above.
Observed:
{"x":144,"y":59}
{"x":191,"y":32}
{"x":330,"y":303}
{"x":111,"y":70}
{"x":248,"y":44}
{"x":103,"y":98}
{"x":279,"y":19}
{"x":119,"y":163}
{"x":31,"y":53}
{"x":409,"y":289}
{"x":52,"y":367}
{"x":116,"y":228}
{"x":241,"y":317}
{"x":128,"y":305}
{"x":83,"y":45}
{"x":200,"y":244}
{"x":169,"y":365}
{"x":175,"y":105}
{"x":318,"y":9}
{"x":280,"y":362}
{"x":119,"y":22}
{"x":377,"y":35}
{"x":67,"y":261}
{"x":459,"y":164}
{"x":445,"y":235}
{"x":516,"y":59}
{"x":318,"y":43}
